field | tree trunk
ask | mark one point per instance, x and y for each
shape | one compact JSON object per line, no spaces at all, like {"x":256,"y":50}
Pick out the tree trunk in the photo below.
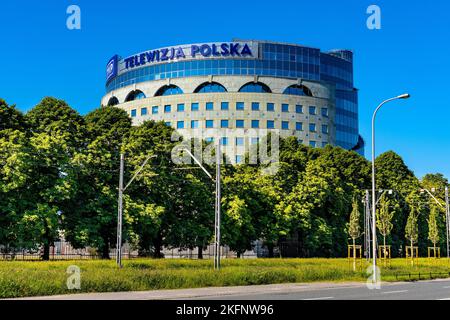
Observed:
{"x":354,"y":255}
{"x":46,"y":254}
{"x":105,"y":251}
{"x":412,"y":253}
{"x":200,"y":252}
{"x":270,"y":249}
{"x":158,"y":246}
{"x":238,"y":253}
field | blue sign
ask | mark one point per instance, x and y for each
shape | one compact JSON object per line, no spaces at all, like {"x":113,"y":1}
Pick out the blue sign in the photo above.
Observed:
{"x":112,"y":68}
{"x":190,"y":52}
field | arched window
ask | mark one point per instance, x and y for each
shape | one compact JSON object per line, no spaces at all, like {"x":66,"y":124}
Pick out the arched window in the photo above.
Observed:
{"x":168,"y":90}
{"x":298,"y":90}
{"x":135,"y":95}
{"x":210,"y":87}
{"x":257,"y":87}
{"x":113,"y":101}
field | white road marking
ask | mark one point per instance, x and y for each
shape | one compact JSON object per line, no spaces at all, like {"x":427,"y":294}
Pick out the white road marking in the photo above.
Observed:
{"x":399,"y":291}
{"x":444,"y":299}
{"x":446,"y":287}
{"x":321,"y":298}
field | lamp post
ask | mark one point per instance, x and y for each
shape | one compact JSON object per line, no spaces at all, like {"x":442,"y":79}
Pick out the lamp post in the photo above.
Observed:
{"x":217,"y":205}
{"x":120,"y":206}
{"x":374,"y":200}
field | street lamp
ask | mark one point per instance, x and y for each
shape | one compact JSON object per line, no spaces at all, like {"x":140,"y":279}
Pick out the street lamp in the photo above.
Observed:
{"x":120,"y":206}
{"x":374,"y":230}
{"x":217,"y":201}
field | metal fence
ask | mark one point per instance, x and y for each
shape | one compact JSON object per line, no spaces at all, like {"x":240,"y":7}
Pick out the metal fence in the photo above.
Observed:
{"x":64,"y":251}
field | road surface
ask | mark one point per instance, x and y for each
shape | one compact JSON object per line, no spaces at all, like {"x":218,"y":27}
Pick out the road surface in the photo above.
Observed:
{"x":423,"y":290}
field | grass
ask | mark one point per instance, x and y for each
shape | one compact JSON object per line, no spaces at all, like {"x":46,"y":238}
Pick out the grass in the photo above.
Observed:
{"x":24,"y":279}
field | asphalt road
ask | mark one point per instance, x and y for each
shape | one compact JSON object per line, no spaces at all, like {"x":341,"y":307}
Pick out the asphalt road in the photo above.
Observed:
{"x":423,"y":290}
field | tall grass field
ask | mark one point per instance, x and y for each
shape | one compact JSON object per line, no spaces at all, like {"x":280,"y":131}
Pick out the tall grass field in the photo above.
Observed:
{"x":25,"y":279}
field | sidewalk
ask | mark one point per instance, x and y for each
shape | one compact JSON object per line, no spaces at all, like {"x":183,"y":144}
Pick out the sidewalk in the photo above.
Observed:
{"x":200,"y":292}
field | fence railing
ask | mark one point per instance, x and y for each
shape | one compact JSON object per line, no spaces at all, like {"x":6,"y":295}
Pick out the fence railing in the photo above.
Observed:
{"x":421,"y":276}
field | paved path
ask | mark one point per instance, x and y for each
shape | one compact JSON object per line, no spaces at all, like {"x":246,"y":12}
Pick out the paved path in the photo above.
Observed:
{"x":423,"y":290}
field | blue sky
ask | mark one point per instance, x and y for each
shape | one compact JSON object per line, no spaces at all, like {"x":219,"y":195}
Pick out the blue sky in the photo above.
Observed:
{"x":41,"y":57}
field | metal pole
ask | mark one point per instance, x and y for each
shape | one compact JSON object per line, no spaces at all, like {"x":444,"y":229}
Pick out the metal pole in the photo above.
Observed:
{"x":367,"y":224}
{"x":119,"y":214}
{"x":217,"y":211}
{"x":374,"y":197}
{"x":447,"y":216}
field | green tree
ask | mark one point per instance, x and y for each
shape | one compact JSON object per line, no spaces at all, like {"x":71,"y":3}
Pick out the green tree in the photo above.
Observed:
{"x":238,"y":230}
{"x":433,"y":230}
{"x":15,"y":167}
{"x":393,"y":174}
{"x":384,"y":217}
{"x":411,"y":229}
{"x":10,"y":117}
{"x":354,"y":228}
{"x":92,"y":221}
{"x":55,"y":135}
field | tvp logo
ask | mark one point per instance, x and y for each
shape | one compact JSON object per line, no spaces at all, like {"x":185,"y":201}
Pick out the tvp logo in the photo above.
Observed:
{"x":74,"y":280}
{"x":111,"y":68}
{"x":73,"y":21}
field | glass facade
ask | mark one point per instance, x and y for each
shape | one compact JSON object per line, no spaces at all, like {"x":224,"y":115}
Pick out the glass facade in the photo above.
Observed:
{"x":275,"y":60}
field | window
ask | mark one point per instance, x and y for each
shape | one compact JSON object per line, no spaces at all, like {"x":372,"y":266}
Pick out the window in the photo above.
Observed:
{"x":270,"y":124}
{"x":144,"y":111}
{"x":239,"y":141}
{"x":133,"y":113}
{"x":224,"y":106}
{"x":194,"y":106}
{"x":255,"y":124}
{"x":224,"y":141}
{"x":180,"y":125}
{"x":325,"y":112}
{"x":113,"y":101}
{"x":209,"y":87}
{"x":155,"y":110}
{"x":325,"y":128}
{"x":312,"y":127}
{"x":312,"y":143}
{"x":324,"y":144}
{"x":239,"y":123}
{"x":239,"y":159}
{"x":168,"y":90}
{"x":270,"y":107}
{"x":240,"y":106}
{"x":168,"y":124}
{"x":209,"y":123}
{"x":299,"y":126}
{"x":299,"y":108}
{"x":255,"y":106}
{"x":312,"y":110}
{"x":298,"y":90}
{"x":224,"y":123}
{"x":135,"y":95}
{"x":194,"y":124}
{"x":167,"y":108}
{"x":209,"y":139}
{"x":254,"y":140}
{"x":210,"y":106}
{"x":180,"y":107}
{"x":285,"y":107}
{"x":285,"y":125}
{"x":257,"y":87}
